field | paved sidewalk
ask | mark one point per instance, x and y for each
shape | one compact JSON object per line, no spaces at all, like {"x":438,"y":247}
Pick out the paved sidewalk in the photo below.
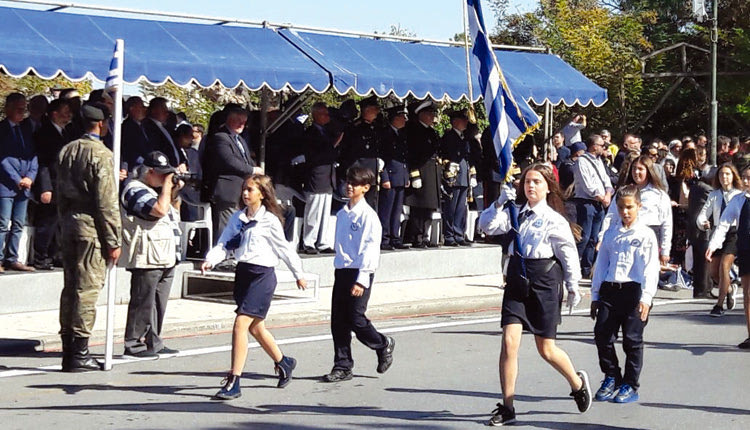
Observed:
{"x":192,"y":317}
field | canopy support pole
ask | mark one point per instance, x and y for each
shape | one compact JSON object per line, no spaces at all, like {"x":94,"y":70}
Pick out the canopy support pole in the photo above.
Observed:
{"x":265,"y":101}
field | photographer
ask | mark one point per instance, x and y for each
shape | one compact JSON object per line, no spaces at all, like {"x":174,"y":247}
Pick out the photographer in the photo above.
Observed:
{"x":151,"y":237}
{"x":572,"y":131}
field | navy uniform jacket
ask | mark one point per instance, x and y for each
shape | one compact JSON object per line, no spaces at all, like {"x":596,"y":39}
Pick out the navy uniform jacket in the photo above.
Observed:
{"x":320,"y":160}
{"x":423,"y":146}
{"x":457,"y":150}
{"x":395,"y":153}
{"x":48,"y":142}
{"x":361,"y":146}
{"x":135,"y":145}
{"x":16,"y":161}
{"x":224,"y":168}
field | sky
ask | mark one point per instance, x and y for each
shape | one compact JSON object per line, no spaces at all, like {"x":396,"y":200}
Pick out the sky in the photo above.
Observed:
{"x":428,"y":19}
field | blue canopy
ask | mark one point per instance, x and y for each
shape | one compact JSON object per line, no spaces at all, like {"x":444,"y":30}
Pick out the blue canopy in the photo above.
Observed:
{"x":403,"y":68}
{"x":50,"y":43}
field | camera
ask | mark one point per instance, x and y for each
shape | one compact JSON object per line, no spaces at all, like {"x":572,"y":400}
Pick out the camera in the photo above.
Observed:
{"x":188,"y":178}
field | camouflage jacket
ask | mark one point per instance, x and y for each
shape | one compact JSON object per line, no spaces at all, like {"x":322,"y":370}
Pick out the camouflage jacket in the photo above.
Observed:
{"x":87,"y":194}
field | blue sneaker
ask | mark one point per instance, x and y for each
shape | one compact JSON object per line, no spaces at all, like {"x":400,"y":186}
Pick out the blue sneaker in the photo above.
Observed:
{"x":608,"y":390}
{"x":626,"y":394}
{"x":230,"y":390}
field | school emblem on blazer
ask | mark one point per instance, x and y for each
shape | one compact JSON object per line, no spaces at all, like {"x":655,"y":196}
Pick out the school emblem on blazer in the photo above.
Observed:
{"x":355,"y":226}
{"x":538,"y":223}
{"x":635,"y":243}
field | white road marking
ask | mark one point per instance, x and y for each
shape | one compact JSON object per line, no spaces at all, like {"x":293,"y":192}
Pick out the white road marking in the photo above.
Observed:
{"x":316,"y":338}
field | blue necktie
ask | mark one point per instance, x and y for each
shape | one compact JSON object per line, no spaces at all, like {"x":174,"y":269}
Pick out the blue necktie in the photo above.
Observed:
{"x":18,"y":134}
{"x":234,"y":242}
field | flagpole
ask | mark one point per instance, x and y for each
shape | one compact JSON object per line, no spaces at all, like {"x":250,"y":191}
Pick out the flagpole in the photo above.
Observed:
{"x":472,"y":114}
{"x":114,"y":83}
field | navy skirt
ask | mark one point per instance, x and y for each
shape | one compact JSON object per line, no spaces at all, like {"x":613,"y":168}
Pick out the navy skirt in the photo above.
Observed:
{"x":730,"y":243}
{"x":253,"y":289}
{"x":535,"y":305}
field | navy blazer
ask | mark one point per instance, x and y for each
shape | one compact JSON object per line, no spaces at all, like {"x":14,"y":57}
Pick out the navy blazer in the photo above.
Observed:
{"x":224,"y":168}
{"x":16,"y":161}
{"x":395,"y":151}
{"x":48,"y":142}
{"x":135,"y":145}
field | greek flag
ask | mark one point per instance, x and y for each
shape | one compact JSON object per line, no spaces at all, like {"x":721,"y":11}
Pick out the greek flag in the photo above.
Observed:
{"x":510,"y":121}
{"x":114,"y":79}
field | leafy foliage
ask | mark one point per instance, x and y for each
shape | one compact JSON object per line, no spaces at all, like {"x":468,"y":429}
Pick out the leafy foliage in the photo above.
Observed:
{"x":31,"y":85}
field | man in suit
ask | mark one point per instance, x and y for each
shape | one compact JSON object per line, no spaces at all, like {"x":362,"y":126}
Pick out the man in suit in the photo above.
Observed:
{"x":135,"y":143}
{"x":159,"y":138}
{"x":37,"y":109}
{"x":320,"y":159}
{"x":361,"y":146}
{"x":75,"y":128}
{"x":49,"y":140}
{"x":18,"y":169}
{"x":424,"y":195}
{"x":394,"y":177}
{"x":458,"y":175}
{"x":226,"y":163}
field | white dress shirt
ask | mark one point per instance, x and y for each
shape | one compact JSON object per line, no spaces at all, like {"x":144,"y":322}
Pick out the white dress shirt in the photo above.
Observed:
{"x":656,"y":212}
{"x":543,"y":234}
{"x":590,"y":177}
{"x":729,"y":218}
{"x":262,"y":244}
{"x":358,"y":235}
{"x":628,"y":254}
{"x":712,"y":207}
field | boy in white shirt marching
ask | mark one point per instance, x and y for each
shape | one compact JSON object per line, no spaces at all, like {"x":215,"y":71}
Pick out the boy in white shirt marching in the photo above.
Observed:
{"x":357,"y":245}
{"x":624,"y":282}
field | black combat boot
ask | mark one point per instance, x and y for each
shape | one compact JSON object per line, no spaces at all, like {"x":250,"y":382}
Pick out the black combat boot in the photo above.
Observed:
{"x":67,"y":350}
{"x":284,"y":369}
{"x":80,"y":360}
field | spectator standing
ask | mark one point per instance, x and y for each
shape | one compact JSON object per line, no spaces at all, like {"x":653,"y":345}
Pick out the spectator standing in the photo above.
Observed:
{"x":631,"y":144}
{"x":679,"y":192}
{"x":91,"y":238}
{"x":190,"y":193}
{"x":593,"y":194}
{"x":18,"y":170}
{"x":49,"y":140}
{"x":563,"y":152}
{"x":160,"y":134}
{"x":135,"y":144}
{"x":151,"y":238}
{"x":361,"y":145}
{"x":394,"y":178}
{"x":572,"y":130}
{"x":37,"y":109}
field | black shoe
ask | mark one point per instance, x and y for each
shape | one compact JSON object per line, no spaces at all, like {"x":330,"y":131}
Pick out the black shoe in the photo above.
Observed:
{"x":140,"y":354}
{"x":717,"y":311}
{"x":464,"y":243}
{"x":420,"y":245}
{"x":387,"y":247}
{"x":45,"y":264}
{"x":450,"y":243}
{"x":745,"y":344}
{"x":231,"y":388}
{"x":167,"y":351}
{"x":327,"y":251}
{"x":502,"y":416}
{"x":433,"y":245}
{"x":338,"y":375}
{"x":401,"y":246}
{"x":583,"y":395}
{"x":309,"y":250}
{"x":79,"y":359}
{"x":385,"y":355}
{"x":284,"y":369}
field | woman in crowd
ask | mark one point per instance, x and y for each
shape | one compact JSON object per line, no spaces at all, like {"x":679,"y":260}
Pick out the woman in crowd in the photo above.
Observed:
{"x":685,"y":176}
{"x":727,"y":184}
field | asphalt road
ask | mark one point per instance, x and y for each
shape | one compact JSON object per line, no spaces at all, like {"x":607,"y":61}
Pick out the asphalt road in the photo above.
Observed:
{"x":444,"y":377}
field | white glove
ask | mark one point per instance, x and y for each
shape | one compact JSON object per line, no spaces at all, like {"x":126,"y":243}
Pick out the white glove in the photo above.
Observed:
{"x":381,"y":164}
{"x":473,"y":182}
{"x":416,"y":183}
{"x":508,"y":193}
{"x":574,"y":298}
{"x":298,"y":160}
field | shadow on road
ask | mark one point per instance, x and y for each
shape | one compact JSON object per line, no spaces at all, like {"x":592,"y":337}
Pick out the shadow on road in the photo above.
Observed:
{"x":711,"y":409}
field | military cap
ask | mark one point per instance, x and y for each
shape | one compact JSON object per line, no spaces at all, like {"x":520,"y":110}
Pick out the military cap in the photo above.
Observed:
{"x":369,"y":101}
{"x":394,"y":111}
{"x":159,"y":162}
{"x":458,"y":113}
{"x":425,"y":105}
{"x":94,"y":112}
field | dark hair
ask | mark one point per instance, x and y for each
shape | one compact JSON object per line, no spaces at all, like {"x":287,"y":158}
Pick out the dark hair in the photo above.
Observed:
{"x":591,"y":141}
{"x":265,"y":186}
{"x":622,"y":176}
{"x":184,"y":129}
{"x":651,"y":175}
{"x":554,"y":197}
{"x":736,"y":179}
{"x":686,"y":165}
{"x":630,"y":190}
{"x":156,"y":102}
{"x":56,"y":104}
{"x":14,"y":98}
{"x":358,"y":175}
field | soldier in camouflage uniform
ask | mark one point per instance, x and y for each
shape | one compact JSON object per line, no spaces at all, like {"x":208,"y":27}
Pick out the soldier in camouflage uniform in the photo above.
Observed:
{"x":91,"y":234}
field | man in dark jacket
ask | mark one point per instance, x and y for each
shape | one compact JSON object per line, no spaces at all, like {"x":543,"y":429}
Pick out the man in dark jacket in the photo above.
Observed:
{"x":394,"y":177}
{"x":226,"y":163}
{"x":159,"y":136}
{"x":361,"y":145}
{"x":423,"y":197}
{"x":49,"y":140}
{"x":135,"y":144}
{"x":18,"y":169}
{"x":320,"y":158}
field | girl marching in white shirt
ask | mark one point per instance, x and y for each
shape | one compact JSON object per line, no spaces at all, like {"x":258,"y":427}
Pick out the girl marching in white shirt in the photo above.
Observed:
{"x":532,"y":301}
{"x":255,"y":237}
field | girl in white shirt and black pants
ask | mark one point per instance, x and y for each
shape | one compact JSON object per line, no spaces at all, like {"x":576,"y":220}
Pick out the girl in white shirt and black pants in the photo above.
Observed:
{"x":255,"y":236}
{"x":532,"y":302}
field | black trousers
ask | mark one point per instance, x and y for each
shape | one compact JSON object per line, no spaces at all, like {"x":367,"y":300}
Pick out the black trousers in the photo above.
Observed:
{"x":415,"y":227}
{"x":455,"y":213}
{"x":347,"y":316}
{"x":701,"y":277}
{"x":619,"y":309}
{"x":390,"y":206}
{"x":46,"y":221}
{"x":149,"y":293}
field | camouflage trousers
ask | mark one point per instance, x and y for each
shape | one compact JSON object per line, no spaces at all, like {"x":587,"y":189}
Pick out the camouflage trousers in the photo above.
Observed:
{"x":84,"y":263}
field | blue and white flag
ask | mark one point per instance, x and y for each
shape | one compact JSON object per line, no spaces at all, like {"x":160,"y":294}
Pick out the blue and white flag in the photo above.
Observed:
{"x":114,"y":79}
{"x":510,"y":120}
